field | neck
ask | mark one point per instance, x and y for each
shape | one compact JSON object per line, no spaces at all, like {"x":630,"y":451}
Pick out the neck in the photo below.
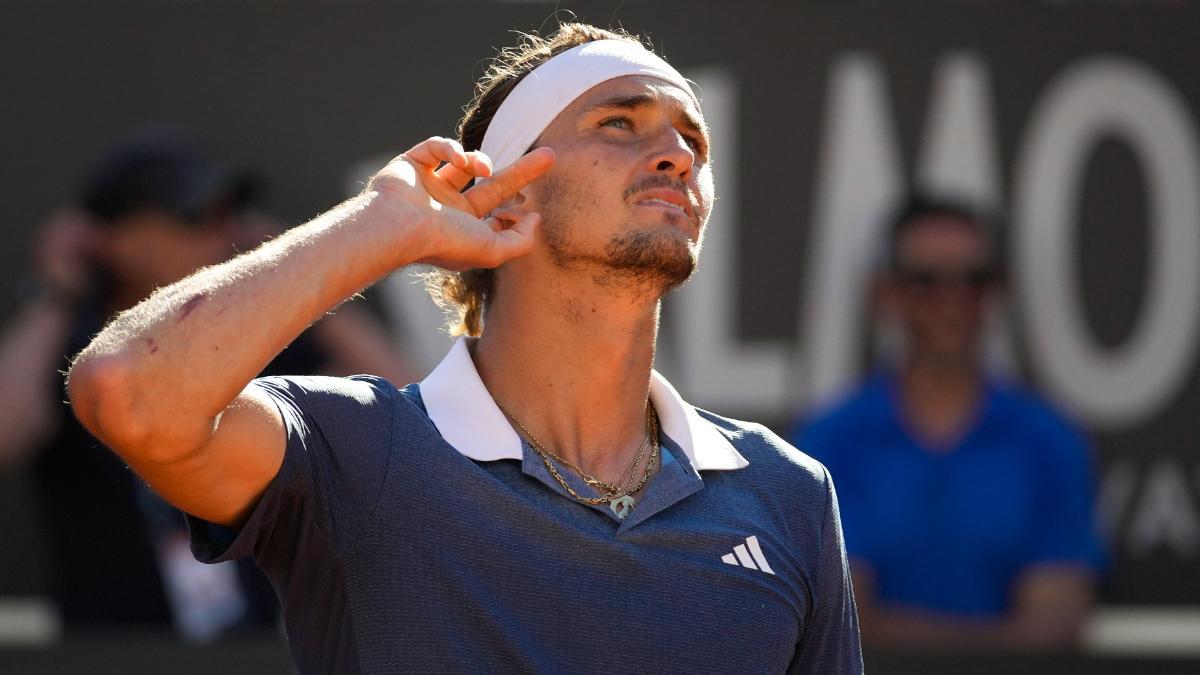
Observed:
{"x":940,"y":400}
{"x":571,"y":361}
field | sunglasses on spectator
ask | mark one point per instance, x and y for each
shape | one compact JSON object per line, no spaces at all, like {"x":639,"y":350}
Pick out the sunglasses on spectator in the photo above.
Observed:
{"x":919,"y":279}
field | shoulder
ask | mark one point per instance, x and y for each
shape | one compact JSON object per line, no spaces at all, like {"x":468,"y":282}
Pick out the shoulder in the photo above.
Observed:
{"x":314,"y":393}
{"x":769,"y":455}
{"x":339,"y":408}
{"x":868,"y":402}
{"x":851,"y":423}
{"x":787,"y":491}
{"x":1023,"y":410}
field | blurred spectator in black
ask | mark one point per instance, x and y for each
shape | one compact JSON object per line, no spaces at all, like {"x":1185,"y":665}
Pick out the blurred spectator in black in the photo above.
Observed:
{"x":967,"y":502}
{"x":157,"y":207}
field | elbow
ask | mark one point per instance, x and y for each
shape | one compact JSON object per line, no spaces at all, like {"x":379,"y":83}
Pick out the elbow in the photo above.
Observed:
{"x":98,"y":391}
{"x":1065,"y":633}
{"x":133,"y":418}
{"x":102,"y":392}
{"x":1053,"y":631}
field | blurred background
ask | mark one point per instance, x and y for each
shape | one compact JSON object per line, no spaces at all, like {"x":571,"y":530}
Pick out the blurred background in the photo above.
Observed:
{"x":1072,"y":124}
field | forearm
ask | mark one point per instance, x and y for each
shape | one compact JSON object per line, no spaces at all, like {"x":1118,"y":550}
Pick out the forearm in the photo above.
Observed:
{"x":1049,"y":608}
{"x":157,"y":377}
{"x":916,"y":630}
{"x":31,"y":349}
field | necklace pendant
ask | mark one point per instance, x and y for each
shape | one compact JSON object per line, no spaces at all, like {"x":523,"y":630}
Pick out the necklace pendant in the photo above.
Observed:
{"x":622,"y":505}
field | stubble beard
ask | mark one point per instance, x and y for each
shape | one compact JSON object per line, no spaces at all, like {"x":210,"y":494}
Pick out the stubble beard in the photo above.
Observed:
{"x":649,"y":259}
{"x":653,"y":261}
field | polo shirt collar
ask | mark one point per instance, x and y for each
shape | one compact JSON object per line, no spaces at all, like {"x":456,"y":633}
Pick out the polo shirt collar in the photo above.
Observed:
{"x":467,"y":417}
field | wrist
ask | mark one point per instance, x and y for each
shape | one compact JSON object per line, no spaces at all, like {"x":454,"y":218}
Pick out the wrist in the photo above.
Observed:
{"x":407,"y":228}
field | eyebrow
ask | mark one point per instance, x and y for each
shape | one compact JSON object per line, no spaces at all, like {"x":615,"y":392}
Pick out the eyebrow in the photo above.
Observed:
{"x":642,"y":100}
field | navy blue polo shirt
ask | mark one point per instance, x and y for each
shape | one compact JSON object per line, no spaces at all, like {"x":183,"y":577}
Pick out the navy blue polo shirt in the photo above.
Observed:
{"x":406,"y":532}
{"x":953,"y":529}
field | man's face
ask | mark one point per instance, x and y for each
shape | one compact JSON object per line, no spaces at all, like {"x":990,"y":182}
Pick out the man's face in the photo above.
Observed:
{"x":152,"y":248}
{"x":631,"y":186}
{"x":941,"y":287}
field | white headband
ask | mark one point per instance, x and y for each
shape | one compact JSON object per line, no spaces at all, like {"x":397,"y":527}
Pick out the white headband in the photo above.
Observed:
{"x":542,"y":94}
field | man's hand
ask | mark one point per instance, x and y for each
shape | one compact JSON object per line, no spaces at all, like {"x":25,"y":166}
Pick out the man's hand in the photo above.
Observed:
{"x":464,"y":230}
{"x":64,"y":250}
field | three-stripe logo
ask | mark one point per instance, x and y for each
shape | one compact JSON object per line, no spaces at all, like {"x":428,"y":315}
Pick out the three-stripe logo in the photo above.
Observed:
{"x":748,"y":555}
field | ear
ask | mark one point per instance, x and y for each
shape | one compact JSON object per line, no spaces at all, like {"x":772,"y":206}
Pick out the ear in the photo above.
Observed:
{"x":521,"y":201}
{"x":518,"y":206}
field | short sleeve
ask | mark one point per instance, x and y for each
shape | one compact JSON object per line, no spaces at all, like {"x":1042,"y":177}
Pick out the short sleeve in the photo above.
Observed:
{"x":339,"y":435}
{"x":1067,"y":526}
{"x":823,"y":440}
{"x":818,"y":438}
{"x":830,"y":642}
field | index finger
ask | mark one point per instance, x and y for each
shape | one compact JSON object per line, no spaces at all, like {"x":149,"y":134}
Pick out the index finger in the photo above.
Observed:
{"x":488,"y":194}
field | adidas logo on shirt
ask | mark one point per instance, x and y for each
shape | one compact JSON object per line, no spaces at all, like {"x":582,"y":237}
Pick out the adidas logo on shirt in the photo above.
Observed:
{"x":748,"y":555}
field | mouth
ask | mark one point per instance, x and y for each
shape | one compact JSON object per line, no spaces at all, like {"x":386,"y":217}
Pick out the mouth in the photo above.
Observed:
{"x":670,"y":200}
{"x":663,"y":205}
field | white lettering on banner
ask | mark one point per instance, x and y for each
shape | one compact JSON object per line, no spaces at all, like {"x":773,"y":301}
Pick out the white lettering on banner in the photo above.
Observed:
{"x":419,"y":322}
{"x":958,"y":143}
{"x":1099,"y":97}
{"x":1149,"y":510}
{"x":858,"y":177}
{"x":1115,"y":496}
{"x":1165,"y":515}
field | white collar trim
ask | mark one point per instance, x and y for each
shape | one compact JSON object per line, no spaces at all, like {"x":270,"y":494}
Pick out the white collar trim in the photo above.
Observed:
{"x":463,"y":411}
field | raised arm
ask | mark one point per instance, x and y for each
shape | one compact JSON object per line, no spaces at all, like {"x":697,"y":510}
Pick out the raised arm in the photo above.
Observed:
{"x":165,"y":384}
{"x":31,"y":349}
{"x":33,"y":342}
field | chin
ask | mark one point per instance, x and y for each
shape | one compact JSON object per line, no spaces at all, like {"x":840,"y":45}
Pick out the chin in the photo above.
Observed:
{"x":664,"y":259}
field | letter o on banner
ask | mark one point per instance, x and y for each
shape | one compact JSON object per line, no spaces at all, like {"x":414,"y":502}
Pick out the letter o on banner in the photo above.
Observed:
{"x":1117,"y":98}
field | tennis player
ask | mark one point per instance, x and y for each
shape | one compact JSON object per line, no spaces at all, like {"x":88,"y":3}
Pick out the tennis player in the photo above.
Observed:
{"x":543,"y":501}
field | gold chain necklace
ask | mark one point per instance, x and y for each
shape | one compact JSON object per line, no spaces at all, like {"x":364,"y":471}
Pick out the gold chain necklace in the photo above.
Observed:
{"x":623,"y":483}
{"x":619,"y":496}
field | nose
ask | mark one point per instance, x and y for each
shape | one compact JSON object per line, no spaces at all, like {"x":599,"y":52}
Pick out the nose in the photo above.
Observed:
{"x":673,"y":155}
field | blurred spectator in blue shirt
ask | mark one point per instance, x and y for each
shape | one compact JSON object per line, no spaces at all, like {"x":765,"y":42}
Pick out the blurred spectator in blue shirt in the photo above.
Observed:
{"x":967,"y":501}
